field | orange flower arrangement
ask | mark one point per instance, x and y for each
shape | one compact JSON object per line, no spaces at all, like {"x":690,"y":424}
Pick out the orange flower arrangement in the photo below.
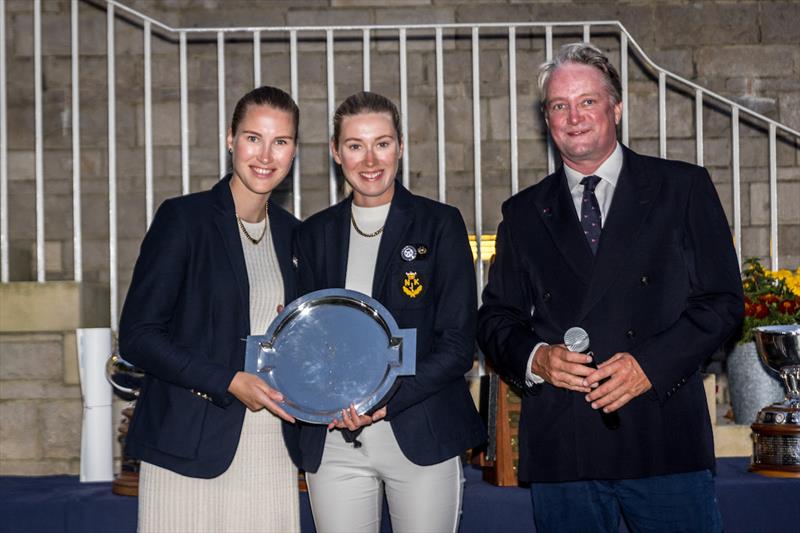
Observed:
{"x":770,"y":297}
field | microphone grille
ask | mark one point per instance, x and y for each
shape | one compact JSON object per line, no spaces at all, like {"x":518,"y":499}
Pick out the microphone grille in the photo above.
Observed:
{"x":576,"y":339}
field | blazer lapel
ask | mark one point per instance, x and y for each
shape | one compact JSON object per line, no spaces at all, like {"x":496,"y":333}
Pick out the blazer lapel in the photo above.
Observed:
{"x":633,"y":199}
{"x":337,"y":243}
{"x":397,"y":222}
{"x":557,"y":211}
{"x":281,"y":233}
{"x":225,"y":219}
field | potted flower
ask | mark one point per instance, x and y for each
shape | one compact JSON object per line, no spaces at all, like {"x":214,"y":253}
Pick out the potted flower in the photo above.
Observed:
{"x":770,"y":298}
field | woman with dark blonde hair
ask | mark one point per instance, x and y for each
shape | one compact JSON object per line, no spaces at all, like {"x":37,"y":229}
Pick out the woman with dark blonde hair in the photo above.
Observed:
{"x":213,"y":268}
{"x":411,"y":254}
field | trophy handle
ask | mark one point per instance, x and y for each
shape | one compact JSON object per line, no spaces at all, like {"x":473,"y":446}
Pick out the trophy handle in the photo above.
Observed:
{"x":407,"y":343}
{"x":791,"y":382}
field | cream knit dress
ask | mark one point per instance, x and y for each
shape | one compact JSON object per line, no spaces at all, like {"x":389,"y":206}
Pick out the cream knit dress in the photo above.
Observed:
{"x":258,"y":492}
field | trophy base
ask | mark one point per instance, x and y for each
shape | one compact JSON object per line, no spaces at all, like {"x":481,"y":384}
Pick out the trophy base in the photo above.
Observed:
{"x":776,"y":441}
{"x":126,"y":484}
{"x":771,"y":471}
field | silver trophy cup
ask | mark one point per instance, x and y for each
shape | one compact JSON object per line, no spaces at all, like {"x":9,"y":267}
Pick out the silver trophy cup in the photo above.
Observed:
{"x":776,"y":431}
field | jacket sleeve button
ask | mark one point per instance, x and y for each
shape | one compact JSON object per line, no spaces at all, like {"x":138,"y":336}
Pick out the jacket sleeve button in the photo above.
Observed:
{"x":644,"y":280}
{"x":630,"y":334}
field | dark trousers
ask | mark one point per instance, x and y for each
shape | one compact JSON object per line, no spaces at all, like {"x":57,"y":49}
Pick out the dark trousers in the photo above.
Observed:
{"x":665,"y":504}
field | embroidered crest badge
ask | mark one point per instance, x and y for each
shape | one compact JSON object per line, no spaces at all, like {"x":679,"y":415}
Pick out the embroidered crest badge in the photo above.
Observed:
{"x":412,"y":285}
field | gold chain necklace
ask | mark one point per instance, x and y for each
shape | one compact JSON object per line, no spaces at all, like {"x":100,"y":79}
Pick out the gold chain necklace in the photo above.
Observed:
{"x":263,"y":232}
{"x":363,"y":234}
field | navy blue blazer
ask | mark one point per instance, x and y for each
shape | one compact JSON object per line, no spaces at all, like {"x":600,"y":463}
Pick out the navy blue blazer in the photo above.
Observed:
{"x":432,"y":414}
{"x":663,"y":286}
{"x":184,"y":322}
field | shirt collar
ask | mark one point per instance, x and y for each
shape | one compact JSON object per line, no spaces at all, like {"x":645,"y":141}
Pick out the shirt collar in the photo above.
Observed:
{"x":609,"y":170}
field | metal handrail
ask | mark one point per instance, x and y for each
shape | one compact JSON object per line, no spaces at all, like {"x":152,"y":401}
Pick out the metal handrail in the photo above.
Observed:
{"x":400,"y":33}
{"x":461,"y":25}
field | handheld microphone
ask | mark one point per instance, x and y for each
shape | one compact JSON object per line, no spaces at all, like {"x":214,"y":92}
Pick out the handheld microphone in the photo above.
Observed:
{"x":577,"y":340}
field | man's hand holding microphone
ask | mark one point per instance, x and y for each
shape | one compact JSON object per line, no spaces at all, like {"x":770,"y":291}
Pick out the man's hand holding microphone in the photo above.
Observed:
{"x":608,"y":386}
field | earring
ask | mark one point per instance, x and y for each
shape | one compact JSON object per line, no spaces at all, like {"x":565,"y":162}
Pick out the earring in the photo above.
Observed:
{"x":230,"y":150}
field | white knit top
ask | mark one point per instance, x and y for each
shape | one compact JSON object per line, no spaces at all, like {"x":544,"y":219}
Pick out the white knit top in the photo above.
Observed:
{"x":258,"y":492}
{"x":363,"y":252}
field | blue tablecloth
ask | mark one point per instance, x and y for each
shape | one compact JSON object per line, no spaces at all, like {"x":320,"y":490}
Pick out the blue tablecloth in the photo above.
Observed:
{"x":749,"y":503}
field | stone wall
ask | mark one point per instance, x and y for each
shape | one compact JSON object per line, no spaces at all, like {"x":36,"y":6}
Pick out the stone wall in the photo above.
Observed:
{"x":748,"y":51}
{"x":40,"y":395}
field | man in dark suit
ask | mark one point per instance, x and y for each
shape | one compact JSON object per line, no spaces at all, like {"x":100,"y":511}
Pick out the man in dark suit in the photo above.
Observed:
{"x":637,"y":252}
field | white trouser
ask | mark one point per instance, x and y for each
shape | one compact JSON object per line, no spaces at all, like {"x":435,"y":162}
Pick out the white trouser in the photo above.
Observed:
{"x":346,"y":493}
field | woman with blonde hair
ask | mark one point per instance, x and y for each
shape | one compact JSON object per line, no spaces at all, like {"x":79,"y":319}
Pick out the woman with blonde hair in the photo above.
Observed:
{"x":411,"y":254}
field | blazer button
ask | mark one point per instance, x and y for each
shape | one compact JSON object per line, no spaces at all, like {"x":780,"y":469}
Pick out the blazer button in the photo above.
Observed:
{"x":644,"y":281}
{"x":630,"y":334}
{"x":546,"y":296}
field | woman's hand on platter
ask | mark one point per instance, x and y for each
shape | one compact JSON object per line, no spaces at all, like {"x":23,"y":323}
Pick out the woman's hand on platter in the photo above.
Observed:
{"x":255,"y":395}
{"x":352,"y":420}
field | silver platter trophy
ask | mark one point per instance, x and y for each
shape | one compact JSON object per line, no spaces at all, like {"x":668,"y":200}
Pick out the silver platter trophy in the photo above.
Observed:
{"x":331,"y":348}
{"x":776,"y":431}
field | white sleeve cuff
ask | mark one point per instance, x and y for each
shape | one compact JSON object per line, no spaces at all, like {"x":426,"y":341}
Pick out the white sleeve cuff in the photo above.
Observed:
{"x":531,"y":378}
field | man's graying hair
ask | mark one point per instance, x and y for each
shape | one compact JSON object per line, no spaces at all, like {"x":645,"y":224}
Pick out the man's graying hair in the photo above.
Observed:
{"x":581,"y":54}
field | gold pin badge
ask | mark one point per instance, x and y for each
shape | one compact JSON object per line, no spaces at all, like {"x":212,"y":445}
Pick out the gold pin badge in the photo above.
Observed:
{"x":412,"y":285}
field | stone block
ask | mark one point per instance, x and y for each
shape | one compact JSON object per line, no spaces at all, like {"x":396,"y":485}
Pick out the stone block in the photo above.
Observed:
{"x":680,"y":115}
{"x":52,"y":306}
{"x":458,"y":119}
{"x":46,"y":467}
{"x":422,"y":122}
{"x":424,"y":162}
{"x":755,"y":241}
{"x":275,"y":65}
{"x":789,"y":105}
{"x":314,"y":200}
{"x":788,"y":151}
{"x":391,"y":15}
{"x":788,"y":173}
{"x":314,"y":122}
{"x":70,"y":361}
{"x":779,"y":22}
{"x":789,"y":244}
{"x":732,"y":440}
{"x":456,"y":157}
{"x":753,"y":151}
{"x":37,"y":390}
{"x":759,"y":104}
{"x":480,"y":12}
{"x":682,"y":150}
{"x":55,"y":35}
{"x":744,"y":60}
{"x":39,"y":357}
{"x":705,"y":23}
{"x":379,"y":3}
{"x":314,"y":160}
{"x":759,"y":203}
{"x":643,"y":114}
{"x":61,"y":428}
{"x":166,"y":124}
{"x":329,"y":17}
{"x":21,"y":165}
{"x":788,"y":206}
{"x":20,"y":437}
{"x":53,"y":257}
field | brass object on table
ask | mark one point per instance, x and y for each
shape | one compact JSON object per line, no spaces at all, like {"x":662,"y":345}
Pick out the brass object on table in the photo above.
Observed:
{"x":127,"y":381}
{"x":500,"y":406}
